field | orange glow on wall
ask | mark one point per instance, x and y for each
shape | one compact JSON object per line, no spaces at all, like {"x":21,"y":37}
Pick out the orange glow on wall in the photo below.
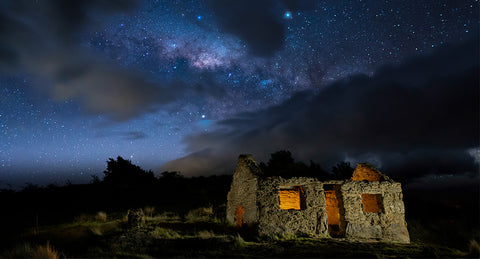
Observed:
{"x":372,"y":202}
{"x":333,"y":213}
{"x":290,"y":199}
{"x":239,"y":216}
{"x":365,"y":172}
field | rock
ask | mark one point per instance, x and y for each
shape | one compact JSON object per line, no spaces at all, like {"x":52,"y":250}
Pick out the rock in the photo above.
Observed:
{"x":135,"y":218}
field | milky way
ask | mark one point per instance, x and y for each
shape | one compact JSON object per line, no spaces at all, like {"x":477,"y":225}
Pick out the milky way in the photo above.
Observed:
{"x":141,"y":80}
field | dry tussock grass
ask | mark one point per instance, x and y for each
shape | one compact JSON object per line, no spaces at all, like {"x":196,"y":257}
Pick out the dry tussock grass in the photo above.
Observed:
{"x":46,"y":251}
{"x":473,"y":248}
{"x":27,"y":250}
{"x":101,"y":217}
{"x":168,"y":216}
{"x":149,"y":211}
{"x":206,"y":234}
{"x":199,"y":214}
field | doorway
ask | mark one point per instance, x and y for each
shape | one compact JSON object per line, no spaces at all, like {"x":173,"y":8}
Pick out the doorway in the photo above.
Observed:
{"x":239,"y":216}
{"x":335,"y":210}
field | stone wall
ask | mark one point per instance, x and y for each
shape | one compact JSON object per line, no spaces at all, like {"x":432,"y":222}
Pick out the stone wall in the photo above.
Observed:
{"x":366,"y":172}
{"x":243,"y":191}
{"x":255,"y":200}
{"x":388,"y":226}
{"x":311,"y":219}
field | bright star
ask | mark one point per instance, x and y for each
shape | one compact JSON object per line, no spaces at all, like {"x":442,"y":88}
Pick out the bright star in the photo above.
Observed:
{"x":203,"y":116}
{"x":199,"y":17}
{"x":288,"y":14}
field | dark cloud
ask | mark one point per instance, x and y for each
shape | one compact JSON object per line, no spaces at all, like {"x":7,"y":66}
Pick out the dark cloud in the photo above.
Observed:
{"x":68,"y":17}
{"x":445,"y":181}
{"x":418,"y":117}
{"x":42,"y":38}
{"x":28,"y":27}
{"x":127,"y":135}
{"x":258,"y":23}
{"x":134,"y":135}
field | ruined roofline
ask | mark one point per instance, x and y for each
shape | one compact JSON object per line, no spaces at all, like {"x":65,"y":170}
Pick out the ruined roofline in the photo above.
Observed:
{"x":362,"y":172}
{"x":248,"y":161}
{"x":367,"y":172}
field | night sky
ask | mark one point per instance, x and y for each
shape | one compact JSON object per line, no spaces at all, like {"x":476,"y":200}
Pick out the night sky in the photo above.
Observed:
{"x":189,"y":85}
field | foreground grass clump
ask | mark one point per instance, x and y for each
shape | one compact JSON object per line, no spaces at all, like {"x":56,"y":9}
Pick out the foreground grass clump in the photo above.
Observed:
{"x":28,"y":250}
{"x":199,"y":214}
{"x":473,"y":249}
{"x":101,"y":216}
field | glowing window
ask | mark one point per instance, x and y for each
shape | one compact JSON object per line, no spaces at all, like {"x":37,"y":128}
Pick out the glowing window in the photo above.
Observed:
{"x":291,"y":198}
{"x":372,"y":202}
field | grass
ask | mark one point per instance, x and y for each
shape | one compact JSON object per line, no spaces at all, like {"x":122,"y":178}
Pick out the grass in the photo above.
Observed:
{"x":199,"y":214}
{"x":473,"y":249}
{"x":27,"y":250}
{"x":101,"y":216}
{"x":198,"y":234}
{"x":149,"y":211}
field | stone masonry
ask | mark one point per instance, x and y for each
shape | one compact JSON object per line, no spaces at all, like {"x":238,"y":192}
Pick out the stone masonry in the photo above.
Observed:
{"x":368,"y":207}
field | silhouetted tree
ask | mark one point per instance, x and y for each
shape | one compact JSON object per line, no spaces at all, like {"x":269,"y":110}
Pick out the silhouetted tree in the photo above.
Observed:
{"x":282,"y":163}
{"x":280,"y":160}
{"x":122,"y":171}
{"x":30,"y":187}
{"x":170,"y":175}
{"x":95,"y":179}
{"x":342,"y":170}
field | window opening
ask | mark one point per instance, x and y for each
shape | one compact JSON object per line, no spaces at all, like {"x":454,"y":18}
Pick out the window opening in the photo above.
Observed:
{"x":372,"y":203}
{"x":291,"y":198}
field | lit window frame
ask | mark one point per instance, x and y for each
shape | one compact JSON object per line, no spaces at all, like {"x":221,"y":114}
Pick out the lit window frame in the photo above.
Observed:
{"x":372,"y":203}
{"x":299,"y":203}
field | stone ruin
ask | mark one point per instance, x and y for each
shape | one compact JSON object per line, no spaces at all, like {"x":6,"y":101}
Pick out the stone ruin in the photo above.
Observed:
{"x":367,"y":207}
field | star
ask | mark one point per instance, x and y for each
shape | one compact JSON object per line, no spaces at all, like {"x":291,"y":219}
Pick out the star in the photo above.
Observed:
{"x":197,"y":66}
